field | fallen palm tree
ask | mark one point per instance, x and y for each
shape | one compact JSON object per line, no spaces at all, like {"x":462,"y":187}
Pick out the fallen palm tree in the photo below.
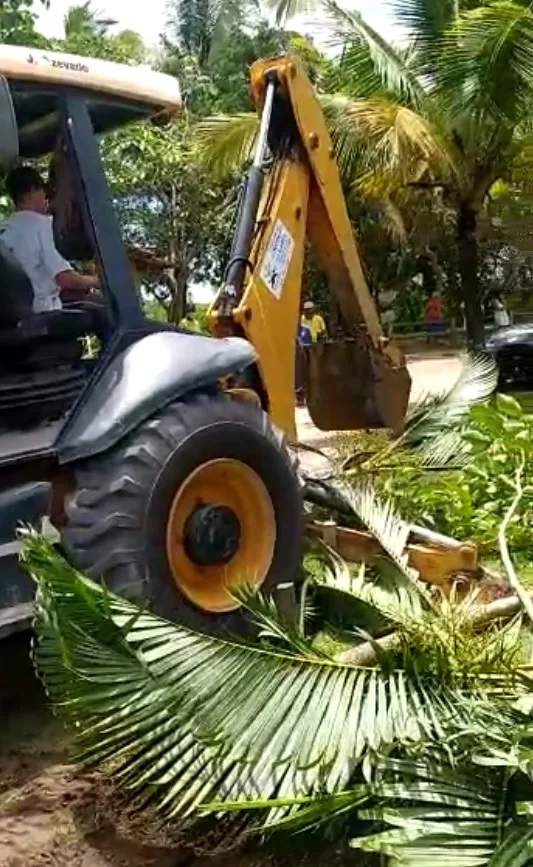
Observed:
{"x":375,"y":709}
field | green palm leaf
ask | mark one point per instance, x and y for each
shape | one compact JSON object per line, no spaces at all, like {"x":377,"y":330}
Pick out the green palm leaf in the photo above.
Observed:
{"x":381,"y":519}
{"x":380,"y":145}
{"x":394,"y":597}
{"x":347,"y":28}
{"x":383,"y":145}
{"x":284,"y":10}
{"x":433,"y":422}
{"x":486,"y":62}
{"x":185,"y":719}
{"x":226,"y":142}
{"x":516,"y":849}
{"x":426,"y":20}
{"x":435,"y":812}
{"x":356,"y":75}
{"x":372,"y":603}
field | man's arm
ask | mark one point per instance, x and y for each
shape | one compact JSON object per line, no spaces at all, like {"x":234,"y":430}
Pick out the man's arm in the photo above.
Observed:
{"x":71,"y":281}
{"x":62,"y":271}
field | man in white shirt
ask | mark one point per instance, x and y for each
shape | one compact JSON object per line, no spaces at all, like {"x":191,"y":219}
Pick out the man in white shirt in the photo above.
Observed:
{"x":28,"y":234}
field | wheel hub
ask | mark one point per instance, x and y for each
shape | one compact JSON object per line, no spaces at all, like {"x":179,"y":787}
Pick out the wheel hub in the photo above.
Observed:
{"x":211,"y":535}
{"x":213,"y":544}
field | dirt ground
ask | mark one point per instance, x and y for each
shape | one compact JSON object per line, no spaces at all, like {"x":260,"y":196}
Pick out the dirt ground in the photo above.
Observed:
{"x":54,"y":816}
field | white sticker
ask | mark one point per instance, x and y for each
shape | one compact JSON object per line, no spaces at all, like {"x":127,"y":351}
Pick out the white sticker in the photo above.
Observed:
{"x":277,"y":259}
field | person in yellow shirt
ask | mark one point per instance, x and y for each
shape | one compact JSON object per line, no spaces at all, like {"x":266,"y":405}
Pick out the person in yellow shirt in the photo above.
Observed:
{"x":313,"y":323}
{"x":189,"y":321}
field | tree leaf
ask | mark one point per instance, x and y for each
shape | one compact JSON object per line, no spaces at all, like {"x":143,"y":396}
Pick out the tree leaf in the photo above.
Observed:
{"x":186,"y":719}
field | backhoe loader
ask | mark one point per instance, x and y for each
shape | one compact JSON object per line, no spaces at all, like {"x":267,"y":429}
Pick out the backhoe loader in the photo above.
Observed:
{"x":163,"y":468}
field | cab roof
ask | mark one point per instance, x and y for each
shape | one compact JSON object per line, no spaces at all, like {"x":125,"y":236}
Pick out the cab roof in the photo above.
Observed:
{"x":115,"y":93}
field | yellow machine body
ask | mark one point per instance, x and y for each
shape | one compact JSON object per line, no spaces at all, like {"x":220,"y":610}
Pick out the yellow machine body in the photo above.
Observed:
{"x":360,"y":381}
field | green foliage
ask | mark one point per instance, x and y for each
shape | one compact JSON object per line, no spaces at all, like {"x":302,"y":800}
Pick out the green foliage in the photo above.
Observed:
{"x":455,"y":466}
{"x":84,"y":21}
{"x":221,"y":84}
{"x":469,"y":503}
{"x":17,"y":23}
{"x":435,"y":813}
{"x":184,"y":719}
{"x":427,"y":130}
{"x":198,"y":28}
{"x":165,"y":205}
{"x":420,"y":753}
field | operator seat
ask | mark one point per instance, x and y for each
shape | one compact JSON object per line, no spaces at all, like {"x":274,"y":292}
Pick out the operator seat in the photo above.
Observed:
{"x":41,"y":368}
{"x":30,"y":340}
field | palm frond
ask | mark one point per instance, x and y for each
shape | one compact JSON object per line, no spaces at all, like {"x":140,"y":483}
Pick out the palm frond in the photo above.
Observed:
{"x":185,"y":719}
{"x":226,"y":142}
{"x":382,"y":521}
{"x":486,"y":62}
{"x":281,"y":630}
{"x":436,"y":813}
{"x":383,"y":145}
{"x":392,"y":220}
{"x":374,"y":604}
{"x":515,"y":848}
{"x":380,"y":145}
{"x":284,"y":10}
{"x":347,"y":28}
{"x":433,"y":422}
{"x":355,"y":75}
{"x":426,"y":21}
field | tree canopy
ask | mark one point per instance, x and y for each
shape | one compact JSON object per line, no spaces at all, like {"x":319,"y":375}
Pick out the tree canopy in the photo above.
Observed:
{"x":425,"y":133}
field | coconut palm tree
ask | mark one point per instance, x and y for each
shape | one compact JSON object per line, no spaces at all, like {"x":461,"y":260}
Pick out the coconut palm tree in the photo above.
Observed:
{"x":196,"y":28}
{"x":450,"y":113}
{"x":82,"y":21}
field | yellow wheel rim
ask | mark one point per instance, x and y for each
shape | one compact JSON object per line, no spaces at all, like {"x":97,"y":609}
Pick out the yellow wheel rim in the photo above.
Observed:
{"x":222,"y":514}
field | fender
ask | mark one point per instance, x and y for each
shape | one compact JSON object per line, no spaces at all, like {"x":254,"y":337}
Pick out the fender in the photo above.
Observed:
{"x":148,"y":375}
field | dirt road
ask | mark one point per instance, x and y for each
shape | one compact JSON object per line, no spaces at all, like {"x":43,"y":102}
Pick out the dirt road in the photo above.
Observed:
{"x":53,"y":816}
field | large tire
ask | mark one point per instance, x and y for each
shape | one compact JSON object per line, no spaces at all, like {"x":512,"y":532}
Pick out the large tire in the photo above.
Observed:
{"x":121,"y":513}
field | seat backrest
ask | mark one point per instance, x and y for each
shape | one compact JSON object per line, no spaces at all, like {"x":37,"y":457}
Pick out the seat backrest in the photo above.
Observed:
{"x":16,"y":291}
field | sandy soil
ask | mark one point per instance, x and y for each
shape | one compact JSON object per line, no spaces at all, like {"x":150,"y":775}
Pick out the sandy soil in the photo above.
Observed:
{"x":54,"y":816}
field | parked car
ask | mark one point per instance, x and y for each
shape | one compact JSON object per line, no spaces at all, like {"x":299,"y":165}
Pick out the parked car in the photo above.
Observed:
{"x":512,"y":348}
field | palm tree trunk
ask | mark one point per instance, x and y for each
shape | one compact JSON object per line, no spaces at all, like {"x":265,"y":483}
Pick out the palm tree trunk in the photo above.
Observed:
{"x":468,"y":269}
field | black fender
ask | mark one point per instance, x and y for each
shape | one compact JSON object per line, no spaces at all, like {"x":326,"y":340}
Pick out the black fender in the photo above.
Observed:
{"x":149,"y":374}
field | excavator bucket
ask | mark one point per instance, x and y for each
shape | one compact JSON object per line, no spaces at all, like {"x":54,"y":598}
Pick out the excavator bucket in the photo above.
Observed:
{"x":351,"y":385}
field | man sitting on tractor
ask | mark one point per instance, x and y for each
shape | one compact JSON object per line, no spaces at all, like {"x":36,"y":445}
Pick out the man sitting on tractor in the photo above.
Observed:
{"x":28,"y":234}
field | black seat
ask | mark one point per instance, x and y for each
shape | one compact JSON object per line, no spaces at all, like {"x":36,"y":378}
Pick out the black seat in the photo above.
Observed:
{"x":31,"y":339}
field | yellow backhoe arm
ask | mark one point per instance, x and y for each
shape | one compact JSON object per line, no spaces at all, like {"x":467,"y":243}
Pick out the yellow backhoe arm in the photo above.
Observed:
{"x":361,"y":382}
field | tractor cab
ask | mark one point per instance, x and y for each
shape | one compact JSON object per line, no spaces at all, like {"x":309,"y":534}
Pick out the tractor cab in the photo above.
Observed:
{"x":52,"y":108}
{"x":143,"y":433}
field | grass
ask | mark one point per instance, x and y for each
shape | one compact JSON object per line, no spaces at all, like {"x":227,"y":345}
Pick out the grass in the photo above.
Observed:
{"x":525,"y":399}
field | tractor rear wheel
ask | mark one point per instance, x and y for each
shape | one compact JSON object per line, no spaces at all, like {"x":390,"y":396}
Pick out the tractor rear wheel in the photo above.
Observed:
{"x":201,"y":498}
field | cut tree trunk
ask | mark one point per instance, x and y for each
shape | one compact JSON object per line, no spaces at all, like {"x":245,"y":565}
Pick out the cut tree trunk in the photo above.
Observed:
{"x":468,"y":268}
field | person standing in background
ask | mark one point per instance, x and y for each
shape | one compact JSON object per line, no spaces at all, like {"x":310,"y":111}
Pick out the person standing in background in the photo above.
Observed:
{"x":501,"y":315}
{"x":189,"y":321}
{"x":303,"y":337}
{"x":313,"y":322}
{"x":434,"y":316}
